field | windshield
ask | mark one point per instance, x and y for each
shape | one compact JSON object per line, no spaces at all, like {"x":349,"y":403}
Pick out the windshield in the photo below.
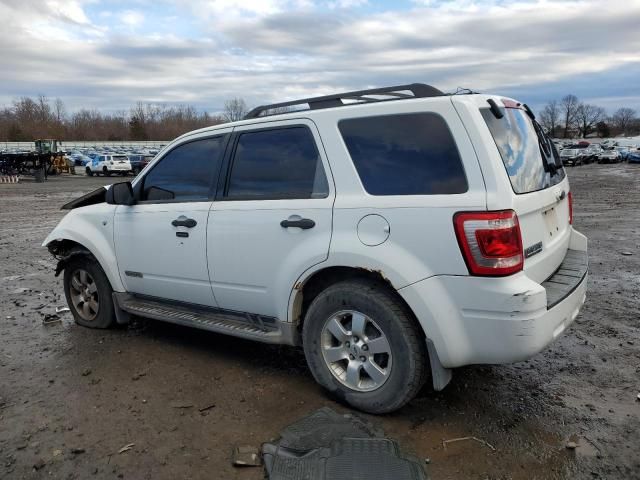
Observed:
{"x":522,"y":150}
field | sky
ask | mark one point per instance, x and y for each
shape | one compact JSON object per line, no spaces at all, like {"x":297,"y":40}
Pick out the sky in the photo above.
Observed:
{"x":109,"y":54}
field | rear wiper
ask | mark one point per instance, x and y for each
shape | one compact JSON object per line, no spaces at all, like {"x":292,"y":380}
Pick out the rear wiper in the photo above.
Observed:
{"x":546,"y":150}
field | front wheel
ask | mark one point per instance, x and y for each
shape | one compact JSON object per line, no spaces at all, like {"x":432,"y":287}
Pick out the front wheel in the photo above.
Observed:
{"x":362,"y":344}
{"x":89,"y":172}
{"x":88,"y":292}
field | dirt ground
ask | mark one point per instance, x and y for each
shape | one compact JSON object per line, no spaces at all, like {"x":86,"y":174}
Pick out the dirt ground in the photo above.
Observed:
{"x":71,"y":398}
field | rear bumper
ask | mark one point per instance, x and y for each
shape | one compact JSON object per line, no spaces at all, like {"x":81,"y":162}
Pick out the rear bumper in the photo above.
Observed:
{"x":475,"y":320}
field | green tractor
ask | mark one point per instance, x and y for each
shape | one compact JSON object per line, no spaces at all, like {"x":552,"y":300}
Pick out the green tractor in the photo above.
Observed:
{"x":47,"y":146}
{"x":52,"y":151}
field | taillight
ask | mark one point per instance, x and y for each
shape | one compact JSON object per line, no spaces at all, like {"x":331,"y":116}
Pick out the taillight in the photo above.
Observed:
{"x":570,"y":198}
{"x":490,"y":242}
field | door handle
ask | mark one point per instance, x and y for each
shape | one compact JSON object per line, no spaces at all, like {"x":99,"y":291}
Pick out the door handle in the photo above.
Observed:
{"x":304,"y":223}
{"x":183,"y":221}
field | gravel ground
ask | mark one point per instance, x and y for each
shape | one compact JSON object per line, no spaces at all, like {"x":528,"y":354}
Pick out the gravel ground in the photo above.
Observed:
{"x":71,"y":398}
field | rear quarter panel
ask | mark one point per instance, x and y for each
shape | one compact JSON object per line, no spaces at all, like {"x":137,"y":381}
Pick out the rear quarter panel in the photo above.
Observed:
{"x":421,"y":241}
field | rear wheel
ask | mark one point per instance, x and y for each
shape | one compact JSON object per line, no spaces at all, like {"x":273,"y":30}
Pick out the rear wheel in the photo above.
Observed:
{"x":363,"y":345}
{"x":106,"y":172}
{"x":88,"y":293}
{"x":89,"y":172}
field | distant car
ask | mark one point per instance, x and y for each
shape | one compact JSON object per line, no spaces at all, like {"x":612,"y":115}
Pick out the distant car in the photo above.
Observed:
{"x":592,"y":152}
{"x":633,"y":156}
{"x":623,"y":151}
{"x":138,"y":162}
{"x":609,"y":156}
{"x":108,"y":164}
{"x":79,"y":160}
{"x":572,"y":156}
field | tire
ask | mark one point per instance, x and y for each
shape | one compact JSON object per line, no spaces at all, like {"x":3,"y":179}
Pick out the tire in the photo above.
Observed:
{"x":384,"y":316}
{"x":106,"y":172}
{"x":99,"y":292}
{"x":89,"y":172}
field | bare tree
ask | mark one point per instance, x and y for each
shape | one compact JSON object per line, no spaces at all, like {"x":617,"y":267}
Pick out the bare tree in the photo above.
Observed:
{"x":623,"y":119}
{"x":587,"y":117}
{"x":550,"y":117}
{"x":59,"y":110}
{"x":234,"y":110}
{"x":569,"y":108}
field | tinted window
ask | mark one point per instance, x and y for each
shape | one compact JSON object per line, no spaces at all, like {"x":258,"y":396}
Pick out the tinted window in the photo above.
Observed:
{"x":186,"y":173}
{"x":411,"y":154}
{"x":520,"y":149}
{"x":277,"y":163}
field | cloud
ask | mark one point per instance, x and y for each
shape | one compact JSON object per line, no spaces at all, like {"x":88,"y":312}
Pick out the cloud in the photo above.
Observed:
{"x":131,"y":18}
{"x":204,"y":52}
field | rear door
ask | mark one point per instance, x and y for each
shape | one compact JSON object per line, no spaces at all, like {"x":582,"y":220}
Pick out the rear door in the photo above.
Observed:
{"x":273,"y":217}
{"x":539,"y":187}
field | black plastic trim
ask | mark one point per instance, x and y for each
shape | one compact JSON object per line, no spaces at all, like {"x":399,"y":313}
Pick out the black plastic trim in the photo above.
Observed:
{"x":569,"y":275}
{"x":92,"y":198}
{"x":419,"y":90}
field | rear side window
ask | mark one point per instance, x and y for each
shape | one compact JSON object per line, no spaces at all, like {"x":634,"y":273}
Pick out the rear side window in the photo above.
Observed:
{"x":408,"y":154}
{"x":276,"y":164}
{"x":520,"y":149}
{"x":186,"y":173}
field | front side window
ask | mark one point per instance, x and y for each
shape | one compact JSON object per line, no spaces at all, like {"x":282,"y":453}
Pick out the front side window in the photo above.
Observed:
{"x":276,"y":164}
{"x":186,"y":173}
{"x":406,"y":154}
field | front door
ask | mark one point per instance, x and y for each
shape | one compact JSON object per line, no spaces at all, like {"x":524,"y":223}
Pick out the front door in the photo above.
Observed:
{"x":273,"y":219}
{"x":161,"y":240}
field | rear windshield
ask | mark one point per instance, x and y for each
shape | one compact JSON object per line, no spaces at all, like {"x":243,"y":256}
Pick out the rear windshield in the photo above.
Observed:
{"x":521,"y":149}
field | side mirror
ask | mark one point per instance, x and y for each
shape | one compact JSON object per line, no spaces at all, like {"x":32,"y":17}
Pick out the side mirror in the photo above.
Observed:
{"x":120,"y":194}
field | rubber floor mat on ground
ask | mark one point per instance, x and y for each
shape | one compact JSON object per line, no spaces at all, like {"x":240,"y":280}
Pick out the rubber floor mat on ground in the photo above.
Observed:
{"x":329,"y":446}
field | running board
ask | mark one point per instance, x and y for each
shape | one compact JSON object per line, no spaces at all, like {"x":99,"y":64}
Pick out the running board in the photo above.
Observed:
{"x":237,"y":324}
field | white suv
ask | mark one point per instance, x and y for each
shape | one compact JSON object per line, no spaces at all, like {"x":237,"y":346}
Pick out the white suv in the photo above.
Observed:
{"x":393,"y":233}
{"x":108,"y":164}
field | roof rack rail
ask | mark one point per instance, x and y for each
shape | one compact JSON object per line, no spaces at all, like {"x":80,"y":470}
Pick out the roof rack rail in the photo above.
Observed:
{"x":418,"y":90}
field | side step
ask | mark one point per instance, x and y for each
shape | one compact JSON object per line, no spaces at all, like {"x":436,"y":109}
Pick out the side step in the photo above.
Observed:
{"x":238,"y":324}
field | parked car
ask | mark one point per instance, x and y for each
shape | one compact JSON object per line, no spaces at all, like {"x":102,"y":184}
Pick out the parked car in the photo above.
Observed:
{"x":79,"y":160}
{"x":592,"y":152}
{"x":609,"y":156}
{"x":633,"y":155}
{"x":623,"y":150}
{"x":572,"y":156}
{"x":391,"y":239}
{"x":138,"y":162}
{"x":108,"y":164}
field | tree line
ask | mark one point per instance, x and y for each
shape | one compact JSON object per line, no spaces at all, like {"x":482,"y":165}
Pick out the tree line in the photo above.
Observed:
{"x":28,"y":119}
{"x":571,"y":118}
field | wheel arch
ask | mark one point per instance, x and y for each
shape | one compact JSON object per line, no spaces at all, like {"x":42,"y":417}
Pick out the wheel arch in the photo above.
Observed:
{"x":62,"y":242}
{"x":308,"y":288}
{"x":305,"y":290}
